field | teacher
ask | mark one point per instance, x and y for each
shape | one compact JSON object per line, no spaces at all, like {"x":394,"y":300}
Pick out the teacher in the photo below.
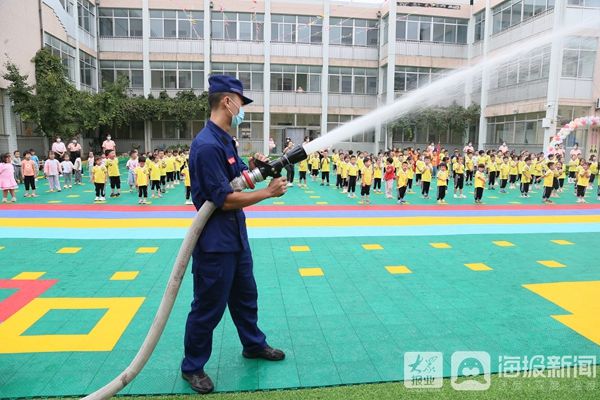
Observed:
{"x":221,"y":260}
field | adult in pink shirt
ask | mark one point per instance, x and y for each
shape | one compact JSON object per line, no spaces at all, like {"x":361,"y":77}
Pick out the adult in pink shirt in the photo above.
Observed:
{"x":108,"y":144}
{"x":503,"y":148}
{"x":74,"y":149}
{"x":468,"y":148}
{"x":575,"y":150}
{"x":560,"y":150}
{"x":59,"y":149}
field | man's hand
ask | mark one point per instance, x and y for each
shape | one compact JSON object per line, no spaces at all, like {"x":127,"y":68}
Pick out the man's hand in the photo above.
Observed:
{"x":257,"y":156}
{"x":277,"y":187}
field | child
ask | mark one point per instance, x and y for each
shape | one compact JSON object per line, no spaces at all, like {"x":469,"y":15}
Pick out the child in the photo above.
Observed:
{"x":178,"y":167}
{"x":377,"y":176}
{"x":170,"y":169}
{"x":140,"y":179}
{"x":155,"y":176}
{"x":352,"y":175}
{"x":409,"y":177}
{"x":479,"y":183}
{"x":470,"y":167}
{"x":325,"y":168}
{"x":367,"y":178}
{"x":491,"y":167}
{"x":513,"y":172}
{"x":402,"y":181}
{"x":388,"y":177}
{"x":573,"y":164}
{"x":67,"y":170}
{"x":52,"y":169}
{"x":131,"y":165}
{"x":583,"y":181}
{"x":419,"y":169}
{"x":36,"y":160}
{"x":90,"y":162}
{"x":442,"y":183}
{"x":562,"y":175}
{"x":459,"y":177}
{"x":114,"y":175}
{"x":77,"y":167}
{"x":526,"y":178}
{"x":302,"y":169}
{"x":163,"y":170}
{"x":426,"y":177}
{"x":28,"y":168}
{"x":16,"y":162}
{"x":8,"y":184}
{"x":504,"y":173}
{"x":99,"y":174}
{"x":314,"y":165}
{"x":548,"y":183}
{"x":593,"y":169}
{"x":344,"y":166}
{"x":185,"y":172}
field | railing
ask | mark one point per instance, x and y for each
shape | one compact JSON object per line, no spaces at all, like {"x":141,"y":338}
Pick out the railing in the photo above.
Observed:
{"x":525,"y":91}
{"x":129,"y":45}
{"x":364,"y":53}
{"x":431,"y":49}
{"x":237,"y":48}
{"x":293,"y":99}
{"x":185,"y":46}
{"x":530,"y":27}
{"x":297,"y":50}
{"x":350,"y":100}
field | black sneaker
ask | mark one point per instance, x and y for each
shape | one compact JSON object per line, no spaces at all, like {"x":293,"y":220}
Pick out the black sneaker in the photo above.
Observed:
{"x":199,"y":382}
{"x":268,"y":353}
{"x":117,"y":195}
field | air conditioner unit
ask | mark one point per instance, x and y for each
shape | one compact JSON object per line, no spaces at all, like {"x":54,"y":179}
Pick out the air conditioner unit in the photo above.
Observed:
{"x":598,"y":103}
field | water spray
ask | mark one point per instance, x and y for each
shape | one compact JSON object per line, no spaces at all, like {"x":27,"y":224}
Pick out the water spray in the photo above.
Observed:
{"x":263,"y":170}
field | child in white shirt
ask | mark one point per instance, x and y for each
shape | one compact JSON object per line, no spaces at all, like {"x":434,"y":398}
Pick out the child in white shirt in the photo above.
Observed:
{"x":131,"y":165}
{"x":52,"y":169}
{"x":77,"y":167}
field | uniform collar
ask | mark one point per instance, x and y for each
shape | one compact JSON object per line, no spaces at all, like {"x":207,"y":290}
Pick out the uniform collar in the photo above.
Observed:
{"x":223,"y":136}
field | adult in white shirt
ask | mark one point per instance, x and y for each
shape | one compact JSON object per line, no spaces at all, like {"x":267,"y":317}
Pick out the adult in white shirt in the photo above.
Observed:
{"x":503,"y":148}
{"x":575,"y":150}
{"x":59,"y":149}
{"x":108,"y":144}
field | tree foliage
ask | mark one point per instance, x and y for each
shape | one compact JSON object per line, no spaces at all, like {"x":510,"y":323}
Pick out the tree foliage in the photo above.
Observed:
{"x":56,"y":107}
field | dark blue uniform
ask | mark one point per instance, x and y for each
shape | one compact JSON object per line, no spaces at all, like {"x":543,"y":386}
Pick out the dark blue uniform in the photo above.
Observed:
{"x":222,"y":261}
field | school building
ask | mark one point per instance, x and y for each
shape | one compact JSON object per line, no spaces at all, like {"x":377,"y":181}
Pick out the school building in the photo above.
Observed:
{"x":313,"y":65}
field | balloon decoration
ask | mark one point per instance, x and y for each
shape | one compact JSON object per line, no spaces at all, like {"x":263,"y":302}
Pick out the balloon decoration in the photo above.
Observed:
{"x":570,"y":127}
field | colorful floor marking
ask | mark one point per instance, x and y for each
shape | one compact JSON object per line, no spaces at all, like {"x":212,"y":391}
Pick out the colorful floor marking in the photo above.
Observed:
{"x":103,"y":337}
{"x":580,"y":299}
{"x":279,"y":203}
{"x":503,"y":243}
{"x":124,"y":275}
{"x":1,"y":247}
{"x":54,"y":201}
{"x":551,"y":264}
{"x":478,"y":267}
{"x":440,"y":245}
{"x":73,"y":196}
{"x":310,"y":272}
{"x":562,"y":242}
{"x":321,"y":202}
{"x":372,"y":247}
{"x":299,"y":248}
{"x":69,"y":250}
{"x":314,"y":197}
{"x":26,"y":292}
{"x":25,"y":276}
{"x":146,"y":250}
{"x":398,"y":269}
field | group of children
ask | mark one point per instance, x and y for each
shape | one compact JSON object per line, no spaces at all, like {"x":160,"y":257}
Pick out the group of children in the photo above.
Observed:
{"x":155,"y":172}
{"x":491,"y":169}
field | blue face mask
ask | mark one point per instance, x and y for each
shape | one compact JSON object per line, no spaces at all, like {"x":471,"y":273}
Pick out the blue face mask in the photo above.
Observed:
{"x":237,"y":119}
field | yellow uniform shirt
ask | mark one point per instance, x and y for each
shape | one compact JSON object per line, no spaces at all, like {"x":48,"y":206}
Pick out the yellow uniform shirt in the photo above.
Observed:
{"x":594,"y":168}
{"x":583,"y":177}
{"x":314,"y":163}
{"x":573,"y":164}
{"x":402,"y":178}
{"x":458,"y":168}
{"x":99,"y":173}
{"x":442,"y":178}
{"x":343,"y":169}
{"x":155,"y":171}
{"x":378,"y":172}
{"x":360,"y":162}
{"x":491,"y":165}
{"x":469,"y":163}
{"x":479,"y":179}
{"x":513,"y":170}
{"x":504,"y":170}
{"x":113,"y":167}
{"x":563,"y":172}
{"x":549,"y":178}
{"x":526,"y":174}
{"x":537,"y":169}
{"x":367,"y":175}
{"x":303,"y":166}
{"x":410,"y":173}
{"x":426,"y":175}
{"x":162,"y":164}
{"x":325,"y":164}
{"x":186,"y":174}
{"x":169,"y":164}
{"x":420,"y":167}
{"x":141,"y":176}
{"x":521,"y":166}
{"x":352,"y":170}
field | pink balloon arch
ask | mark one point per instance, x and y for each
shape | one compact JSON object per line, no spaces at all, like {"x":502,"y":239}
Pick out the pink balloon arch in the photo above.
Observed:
{"x":561,"y":135}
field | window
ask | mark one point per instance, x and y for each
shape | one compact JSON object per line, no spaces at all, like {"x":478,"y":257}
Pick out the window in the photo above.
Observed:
{"x":299,"y":78}
{"x":585,"y":3}
{"x":411,"y":78}
{"x":385,"y":28}
{"x":176,"y":24}
{"x":120,"y":22}
{"x":87,"y":70}
{"x":516,"y":129}
{"x":63,"y":51}
{"x":353,"y":32}
{"x":296,"y":29}
{"x":67,"y":5}
{"x":251,"y":75}
{"x":237,"y":26}
{"x":579,"y":57}
{"x":353,"y":80}
{"x":431,"y":29}
{"x":530,"y":67}
{"x":337,"y":120}
{"x":513,"y":12}
{"x":252,"y":127}
{"x":86,"y":12}
{"x":479,"y":25}
{"x":132,"y":70}
{"x":176,"y":75}
{"x":2,"y":133}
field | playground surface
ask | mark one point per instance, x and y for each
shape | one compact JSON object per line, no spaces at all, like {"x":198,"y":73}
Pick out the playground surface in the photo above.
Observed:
{"x":344,"y":289}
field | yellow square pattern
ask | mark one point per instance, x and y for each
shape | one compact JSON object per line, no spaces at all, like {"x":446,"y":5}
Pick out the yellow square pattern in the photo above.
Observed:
{"x":124,"y":275}
{"x":315,"y":197}
{"x":551,"y":264}
{"x":73,"y":196}
{"x":562,"y":242}
{"x":146,"y":250}
{"x":478,"y":267}
{"x":503,"y":243}
{"x":440,"y":245}
{"x":54,"y":201}
{"x":299,"y":248}
{"x":311,"y":272}
{"x":69,"y":250}
{"x":278,"y":203}
{"x":322,"y":202}
{"x":25,"y":276}
{"x":398,"y":269}
{"x":2,"y":247}
{"x":372,"y":247}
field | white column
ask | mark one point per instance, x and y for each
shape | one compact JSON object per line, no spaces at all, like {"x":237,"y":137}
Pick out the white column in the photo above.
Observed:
{"x":77,"y":62}
{"x":469,"y":81}
{"x":267,"y":79}
{"x":9,"y":124}
{"x":485,"y":75}
{"x":146,"y":46}
{"x":207,"y":41}
{"x":554,"y":75}
{"x":325,"y":70}
{"x":148,"y":135}
{"x":391,"y":56}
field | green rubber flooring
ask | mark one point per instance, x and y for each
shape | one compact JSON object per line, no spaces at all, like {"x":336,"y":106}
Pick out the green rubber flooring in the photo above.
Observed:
{"x":352,"y":324}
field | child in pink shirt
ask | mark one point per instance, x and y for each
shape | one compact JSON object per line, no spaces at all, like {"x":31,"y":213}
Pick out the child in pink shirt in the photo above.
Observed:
{"x":28,"y":168}
{"x":7,"y":178}
{"x":388,"y":177}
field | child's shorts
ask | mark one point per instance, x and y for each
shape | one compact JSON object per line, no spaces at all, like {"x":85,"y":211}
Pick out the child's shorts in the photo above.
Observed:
{"x":365,"y":190}
{"x":155,"y":185}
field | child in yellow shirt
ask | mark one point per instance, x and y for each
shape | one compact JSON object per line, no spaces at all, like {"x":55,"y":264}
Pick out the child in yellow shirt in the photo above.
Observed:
{"x":479,"y":183}
{"x":112,"y":166}
{"x":352,"y":176}
{"x":583,"y":180}
{"x":526,"y":178}
{"x":366,"y":181}
{"x":314,"y":166}
{"x":98,"y":178}
{"x":426,"y":177}
{"x":155,"y":176}
{"x":442,"y":183}
{"x":377,"y":176}
{"x":459,"y":177}
{"x":141,"y":180}
{"x":185,"y":172}
{"x":302,"y":170}
{"x":548,"y":179}
{"x":504,"y":171}
{"x":325,"y":167}
{"x":402,"y":181}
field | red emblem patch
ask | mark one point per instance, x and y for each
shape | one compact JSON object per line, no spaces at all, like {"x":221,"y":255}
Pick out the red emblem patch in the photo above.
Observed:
{"x":231,"y":160}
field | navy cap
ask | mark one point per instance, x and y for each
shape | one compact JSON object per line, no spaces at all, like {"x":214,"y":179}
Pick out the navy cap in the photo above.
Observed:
{"x":228,"y":84}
